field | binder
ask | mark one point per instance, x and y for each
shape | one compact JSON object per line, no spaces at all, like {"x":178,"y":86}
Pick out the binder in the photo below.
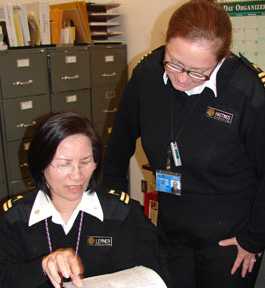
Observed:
{"x":18,"y":26}
{"x":23,"y":18}
{"x":10,"y":24}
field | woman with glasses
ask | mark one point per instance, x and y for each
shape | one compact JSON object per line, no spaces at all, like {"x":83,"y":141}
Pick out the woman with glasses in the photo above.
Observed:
{"x":200,"y":113}
{"x":67,"y":230}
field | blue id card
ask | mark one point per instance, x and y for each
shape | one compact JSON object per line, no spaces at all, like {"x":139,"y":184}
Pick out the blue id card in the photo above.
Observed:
{"x":168,"y":182}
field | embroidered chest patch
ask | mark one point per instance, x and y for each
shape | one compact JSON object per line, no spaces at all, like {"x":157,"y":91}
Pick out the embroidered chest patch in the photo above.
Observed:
{"x":219,"y":115}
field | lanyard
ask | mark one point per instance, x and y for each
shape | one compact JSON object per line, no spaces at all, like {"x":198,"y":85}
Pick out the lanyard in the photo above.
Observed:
{"x":174,"y":135}
{"x":78,"y":235}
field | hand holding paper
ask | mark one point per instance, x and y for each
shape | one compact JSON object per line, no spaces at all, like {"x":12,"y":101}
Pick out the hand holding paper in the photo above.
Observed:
{"x":137,"y":277}
{"x":63,"y":263}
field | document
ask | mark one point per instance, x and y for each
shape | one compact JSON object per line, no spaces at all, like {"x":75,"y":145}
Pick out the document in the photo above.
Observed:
{"x":137,"y":277}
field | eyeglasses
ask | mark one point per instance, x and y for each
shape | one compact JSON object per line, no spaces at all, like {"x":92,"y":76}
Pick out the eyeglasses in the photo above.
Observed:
{"x":66,"y":168}
{"x":174,"y":67}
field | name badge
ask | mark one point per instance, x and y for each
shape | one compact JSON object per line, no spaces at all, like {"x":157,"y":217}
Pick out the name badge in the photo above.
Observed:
{"x":168,"y":182}
{"x":99,"y":241}
{"x":219,"y":115}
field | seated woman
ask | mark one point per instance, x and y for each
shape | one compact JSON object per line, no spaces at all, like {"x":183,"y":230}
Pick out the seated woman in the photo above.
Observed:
{"x":66,"y":229}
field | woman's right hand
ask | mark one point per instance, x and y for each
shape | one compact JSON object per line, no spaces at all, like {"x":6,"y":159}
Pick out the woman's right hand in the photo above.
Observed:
{"x":63,"y":263}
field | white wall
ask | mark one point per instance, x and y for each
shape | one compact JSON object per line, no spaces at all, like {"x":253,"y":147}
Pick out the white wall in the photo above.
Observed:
{"x":145,"y":24}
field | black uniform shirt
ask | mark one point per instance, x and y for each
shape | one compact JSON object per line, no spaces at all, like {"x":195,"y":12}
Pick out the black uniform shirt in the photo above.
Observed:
{"x":123,"y":240}
{"x":221,"y":145}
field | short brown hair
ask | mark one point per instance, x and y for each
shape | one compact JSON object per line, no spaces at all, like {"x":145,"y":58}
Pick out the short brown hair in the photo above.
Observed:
{"x":202,"y":19}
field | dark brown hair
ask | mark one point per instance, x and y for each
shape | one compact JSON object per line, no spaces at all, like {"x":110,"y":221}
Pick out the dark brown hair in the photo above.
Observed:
{"x":202,"y":20}
{"x":51,"y":131}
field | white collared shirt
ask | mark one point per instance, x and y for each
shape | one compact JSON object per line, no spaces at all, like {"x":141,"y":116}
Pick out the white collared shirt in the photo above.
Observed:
{"x":211,"y":83}
{"x":43,"y":208}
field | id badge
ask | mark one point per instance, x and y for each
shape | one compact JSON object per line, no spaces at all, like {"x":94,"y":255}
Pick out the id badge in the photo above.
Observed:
{"x":175,"y":153}
{"x":168,"y":182}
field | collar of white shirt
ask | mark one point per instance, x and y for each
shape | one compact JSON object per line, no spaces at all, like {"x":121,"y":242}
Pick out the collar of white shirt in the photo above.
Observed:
{"x":211,"y":83}
{"x":43,"y":208}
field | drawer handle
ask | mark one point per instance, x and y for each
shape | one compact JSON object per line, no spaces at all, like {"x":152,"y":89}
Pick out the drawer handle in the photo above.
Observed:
{"x":109,"y":74}
{"x":110,"y":111}
{"x":23,"y":165}
{"x":107,"y":97}
{"x":22,"y":83}
{"x":73,"y":77}
{"x":23,"y":125}
{"x":30,"y":184}
{"x":110,"y":94}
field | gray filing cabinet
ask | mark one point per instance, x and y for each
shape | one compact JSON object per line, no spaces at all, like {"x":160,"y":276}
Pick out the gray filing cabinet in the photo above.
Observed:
{"x":108,"y":78}
{"x":70,"y":79}
{"x":24,"y":97}
{"x":86,"y":79}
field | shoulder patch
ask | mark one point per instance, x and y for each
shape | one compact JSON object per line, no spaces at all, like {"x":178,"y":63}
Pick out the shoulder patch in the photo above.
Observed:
{"x":123,"y":196}
{"x":145,"y":55}
{"x":256,"y":68}
{"x":10,"y":202}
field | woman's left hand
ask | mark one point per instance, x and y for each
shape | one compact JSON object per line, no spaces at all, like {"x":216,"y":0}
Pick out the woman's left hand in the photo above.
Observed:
{"x":244,"y":258}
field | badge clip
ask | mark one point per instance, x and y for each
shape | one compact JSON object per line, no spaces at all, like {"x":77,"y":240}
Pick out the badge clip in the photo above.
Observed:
{"x":175,"y":153}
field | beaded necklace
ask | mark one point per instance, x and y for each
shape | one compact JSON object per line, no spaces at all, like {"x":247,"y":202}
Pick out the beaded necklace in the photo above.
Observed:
{"x":78,"y":235}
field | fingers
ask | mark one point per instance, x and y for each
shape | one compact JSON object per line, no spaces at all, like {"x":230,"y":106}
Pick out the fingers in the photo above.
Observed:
{"x":76,"y":271}
{"x":251,"y":264}
{"x":63,"y":263}
{"x":77,"y":281}
{"x":244,"y":258}
{"x":237,"y":264}
{"x":228,"y":242}
{"x":247,"y":266}
{"x":50,"y":268}
{"x":247,"y":263}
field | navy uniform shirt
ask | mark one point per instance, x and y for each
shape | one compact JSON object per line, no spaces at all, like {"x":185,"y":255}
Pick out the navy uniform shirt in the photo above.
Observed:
{"x":124,"y":239}
{"x":221,"y":142}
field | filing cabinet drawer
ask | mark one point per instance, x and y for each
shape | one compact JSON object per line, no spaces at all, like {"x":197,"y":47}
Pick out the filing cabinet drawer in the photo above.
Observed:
{"x":17,"y":161}
{"x":24,"y":74}
{"x":20,"y":115}
{"x":70,"y":69}
{"x":2,"y":174}
{"x":104,"y":130}
{"x":3,"y":187}
{"x":3,"y":191}
{"x":75,"y":101}
{"x":105,"y":102}
{"x":20,"y":186}
{"x":109,"y":65}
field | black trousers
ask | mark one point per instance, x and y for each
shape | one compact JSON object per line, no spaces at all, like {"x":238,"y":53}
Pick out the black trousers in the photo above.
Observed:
{"x":206,"y":267}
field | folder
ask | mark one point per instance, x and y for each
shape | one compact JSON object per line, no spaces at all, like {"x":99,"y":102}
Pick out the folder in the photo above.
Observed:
{"x":74,"y":13}
{"x":56,"y":18}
